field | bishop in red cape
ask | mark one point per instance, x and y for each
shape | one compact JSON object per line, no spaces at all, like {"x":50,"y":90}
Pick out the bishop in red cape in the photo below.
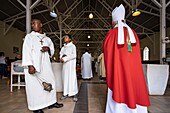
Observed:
{"x":127,"y":91}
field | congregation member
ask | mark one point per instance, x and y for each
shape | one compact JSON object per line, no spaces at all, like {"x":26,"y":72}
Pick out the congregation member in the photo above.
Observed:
{"x":96,"y":67}
{"x":3,"y":65}
{"x":101,"y":71}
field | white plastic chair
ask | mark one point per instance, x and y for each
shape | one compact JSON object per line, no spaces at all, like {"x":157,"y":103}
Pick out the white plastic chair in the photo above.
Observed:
{"x":16,"y":72}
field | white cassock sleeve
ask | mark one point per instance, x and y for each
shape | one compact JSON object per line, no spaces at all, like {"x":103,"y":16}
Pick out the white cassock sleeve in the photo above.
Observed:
{"x":26,"y":51}
{"x":51,"y":48}
{"x":72,"y":55}
{"x":61,"y":52}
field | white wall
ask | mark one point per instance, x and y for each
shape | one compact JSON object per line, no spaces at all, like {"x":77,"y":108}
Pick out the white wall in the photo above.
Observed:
{"x":154,"y":47}
{"x":14,"y":38}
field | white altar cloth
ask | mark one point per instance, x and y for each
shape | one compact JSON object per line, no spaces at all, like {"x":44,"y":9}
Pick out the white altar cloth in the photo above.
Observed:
{"x":57,"y":69}
{"x":156,"y":78}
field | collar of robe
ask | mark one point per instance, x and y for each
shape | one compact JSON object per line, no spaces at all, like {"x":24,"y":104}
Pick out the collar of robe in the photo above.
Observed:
{"x":68,"y":44}
{"x":38,"y":34}
{"x":120,"y":26}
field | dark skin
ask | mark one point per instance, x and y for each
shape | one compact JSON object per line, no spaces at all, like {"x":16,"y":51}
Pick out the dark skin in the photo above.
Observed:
{"x":37,"y":27}
{"x":66,"y":40}
{"x":114,"y":23}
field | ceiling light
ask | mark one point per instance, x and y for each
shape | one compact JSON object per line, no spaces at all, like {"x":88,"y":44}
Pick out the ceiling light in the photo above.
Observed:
{"x":53,"y":14}
{"x":89,"y":36}
{"x":90,"y":15}
{"x":88,"y":45}
{"x":136,"y":13}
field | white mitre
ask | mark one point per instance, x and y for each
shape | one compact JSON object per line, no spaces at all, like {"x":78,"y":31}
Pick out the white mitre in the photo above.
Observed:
{"x":118,"y":14}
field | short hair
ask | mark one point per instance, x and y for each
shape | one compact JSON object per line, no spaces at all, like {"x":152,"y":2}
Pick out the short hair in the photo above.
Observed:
{"x":2,"y":53}
{"x":86,"y":50}
{"x":35,"y":19}
{"x":68,"y":35}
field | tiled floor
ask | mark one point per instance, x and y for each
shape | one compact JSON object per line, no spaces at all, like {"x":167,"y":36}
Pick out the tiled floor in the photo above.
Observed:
{"x":92,"y":99}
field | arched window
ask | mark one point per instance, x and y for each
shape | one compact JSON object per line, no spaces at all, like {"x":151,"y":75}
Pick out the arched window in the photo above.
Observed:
{"x":146,"y":54}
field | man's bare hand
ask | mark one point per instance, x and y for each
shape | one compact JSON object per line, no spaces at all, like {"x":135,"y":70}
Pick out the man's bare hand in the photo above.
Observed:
{"x":31,"y":69}
{"x":61,"y":60}
{"x":45,"y":48}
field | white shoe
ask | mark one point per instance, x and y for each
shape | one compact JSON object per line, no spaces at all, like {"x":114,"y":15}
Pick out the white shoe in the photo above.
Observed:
{"x":75,"y":99}
{"x":63,"y":97}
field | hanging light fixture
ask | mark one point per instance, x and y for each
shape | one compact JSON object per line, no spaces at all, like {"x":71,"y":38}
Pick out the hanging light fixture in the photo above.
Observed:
{"x":52,"y":8}
{"x":88,"y":45}
{"x":90,"y":15}
{"x":88,"y":36}
{"x":135,"y":11}
{"x":53,"y":14}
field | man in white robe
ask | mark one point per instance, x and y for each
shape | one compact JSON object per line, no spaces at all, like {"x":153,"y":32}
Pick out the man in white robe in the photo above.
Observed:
{"x":37,"y":50}
{"x":86,"y":65}
{"x":102,"y":71}
{"x":68,"y":58}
